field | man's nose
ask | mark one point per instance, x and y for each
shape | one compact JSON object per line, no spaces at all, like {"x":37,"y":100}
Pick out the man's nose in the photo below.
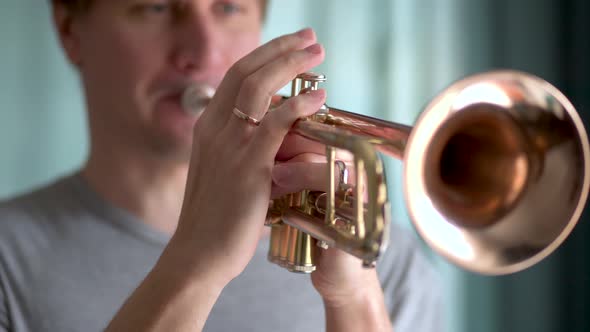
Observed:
{"x":198,"y":46}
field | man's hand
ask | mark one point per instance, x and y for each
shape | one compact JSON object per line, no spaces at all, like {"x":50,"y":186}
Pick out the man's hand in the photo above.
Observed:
{"x":229,"y":180}
{"x":228,"y":188}
{"x":352,"y":295}
{"x":339,"y":276}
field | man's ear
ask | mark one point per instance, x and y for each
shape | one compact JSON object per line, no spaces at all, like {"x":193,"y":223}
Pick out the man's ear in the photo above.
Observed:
{"x":67,"y":33}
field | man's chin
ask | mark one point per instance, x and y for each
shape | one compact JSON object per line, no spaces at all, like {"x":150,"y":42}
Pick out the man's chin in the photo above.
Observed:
{"x":174,"y":148}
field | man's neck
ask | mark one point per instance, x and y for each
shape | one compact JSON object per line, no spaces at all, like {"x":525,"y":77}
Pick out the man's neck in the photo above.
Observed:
{"x":152,"y":190}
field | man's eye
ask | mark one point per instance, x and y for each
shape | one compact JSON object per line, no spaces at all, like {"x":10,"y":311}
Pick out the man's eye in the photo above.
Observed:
{"x":152,"y":8}
{"x":228,"y":8}
{"x":159,"y":8}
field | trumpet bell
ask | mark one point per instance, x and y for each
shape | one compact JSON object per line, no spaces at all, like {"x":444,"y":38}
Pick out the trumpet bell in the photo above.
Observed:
{"x":496,"y":172}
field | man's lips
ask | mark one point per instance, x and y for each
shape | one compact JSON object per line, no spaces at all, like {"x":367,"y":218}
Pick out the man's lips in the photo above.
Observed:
{"x":172,"y":99}
{"x":169,"y":107}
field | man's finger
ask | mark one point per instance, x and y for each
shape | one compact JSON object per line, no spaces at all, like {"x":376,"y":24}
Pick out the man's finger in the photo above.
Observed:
{"x":293,"y":177}
{"x":257,"y":89}
{"x":294,"y":145}
{"x":270,"y":134}
{"x":229,"y":88}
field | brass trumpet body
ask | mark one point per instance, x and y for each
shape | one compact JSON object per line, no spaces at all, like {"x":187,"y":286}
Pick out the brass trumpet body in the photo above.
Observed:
{"x":496,"y":175}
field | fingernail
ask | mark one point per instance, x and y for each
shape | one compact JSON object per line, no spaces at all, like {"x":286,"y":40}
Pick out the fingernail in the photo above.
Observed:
{"x":306,"y":33}
{"x":314,"y":49}
{"x":317,"y":94}
{"x":281,"y":174}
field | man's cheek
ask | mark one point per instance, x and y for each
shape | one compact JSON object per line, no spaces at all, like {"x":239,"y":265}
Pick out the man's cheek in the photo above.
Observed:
{"x":240,"y":47}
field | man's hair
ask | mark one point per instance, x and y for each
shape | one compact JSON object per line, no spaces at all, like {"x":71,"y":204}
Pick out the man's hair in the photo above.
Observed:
{"x":74,"y":6}
{"x":81,"y":6}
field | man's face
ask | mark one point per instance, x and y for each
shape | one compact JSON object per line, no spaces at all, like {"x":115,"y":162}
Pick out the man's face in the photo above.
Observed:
{"x":136,"y":57}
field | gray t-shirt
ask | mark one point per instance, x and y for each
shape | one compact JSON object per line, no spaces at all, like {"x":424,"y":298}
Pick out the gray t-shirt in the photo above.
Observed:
{"x":68,"y":261}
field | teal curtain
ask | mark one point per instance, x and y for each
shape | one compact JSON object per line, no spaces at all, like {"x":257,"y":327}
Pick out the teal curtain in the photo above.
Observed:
{"x":385,"y":58}
{"x":42,"y":126}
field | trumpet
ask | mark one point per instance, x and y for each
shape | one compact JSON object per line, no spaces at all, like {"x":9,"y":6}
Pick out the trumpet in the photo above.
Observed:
{"x":496,"y":176}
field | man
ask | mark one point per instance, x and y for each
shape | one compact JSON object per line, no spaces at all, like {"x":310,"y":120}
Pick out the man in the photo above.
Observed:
{"x":161,"y":228}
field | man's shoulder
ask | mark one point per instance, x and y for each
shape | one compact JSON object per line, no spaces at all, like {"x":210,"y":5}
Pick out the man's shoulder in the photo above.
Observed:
{"x":410,"y":283}
{"x":28,"y":214}
{"x":406,"y":257}
{"x":402,"y":241}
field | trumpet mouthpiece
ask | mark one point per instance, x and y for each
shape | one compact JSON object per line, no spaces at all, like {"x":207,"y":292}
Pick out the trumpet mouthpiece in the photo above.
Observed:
{"x":196,"y":97}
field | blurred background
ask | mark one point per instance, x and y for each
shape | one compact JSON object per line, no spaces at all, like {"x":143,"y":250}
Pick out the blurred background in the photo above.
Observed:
{"x":385,"y":58}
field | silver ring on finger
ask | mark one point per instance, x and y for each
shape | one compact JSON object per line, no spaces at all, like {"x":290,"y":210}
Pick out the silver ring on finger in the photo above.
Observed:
{"x":243,"y":116}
